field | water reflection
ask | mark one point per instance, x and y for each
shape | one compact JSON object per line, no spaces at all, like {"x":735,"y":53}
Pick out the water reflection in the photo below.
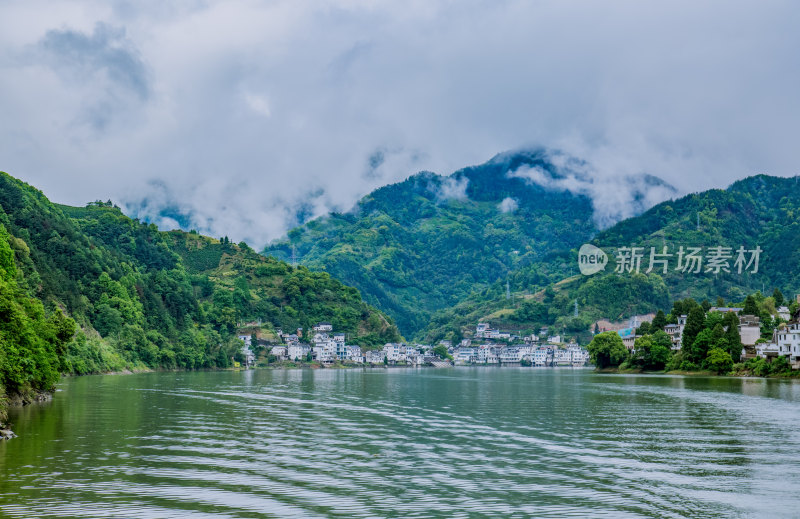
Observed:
{"x":415,"y":443}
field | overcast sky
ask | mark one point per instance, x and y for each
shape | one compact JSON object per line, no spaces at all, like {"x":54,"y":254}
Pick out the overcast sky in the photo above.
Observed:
{"x":237,"y":112}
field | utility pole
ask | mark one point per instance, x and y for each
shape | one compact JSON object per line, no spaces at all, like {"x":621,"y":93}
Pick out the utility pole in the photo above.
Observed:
{"x":294,"y":256}
{"x":508,"y":290}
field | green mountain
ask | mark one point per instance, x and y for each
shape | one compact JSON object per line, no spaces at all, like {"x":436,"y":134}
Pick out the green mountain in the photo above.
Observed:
{"x":759,"y":211}
{"x":499,"y":242}
{"x":89,"y":289}
{"x":424,"y":245}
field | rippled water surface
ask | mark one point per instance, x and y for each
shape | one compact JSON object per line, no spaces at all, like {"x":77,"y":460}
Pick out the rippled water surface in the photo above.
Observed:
{"x":464,"y":442}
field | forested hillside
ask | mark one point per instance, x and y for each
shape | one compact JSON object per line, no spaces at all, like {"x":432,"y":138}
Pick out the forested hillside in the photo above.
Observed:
{"x":426,"y":244}
{"x":89,"y":289}
{"x":759,"y":211}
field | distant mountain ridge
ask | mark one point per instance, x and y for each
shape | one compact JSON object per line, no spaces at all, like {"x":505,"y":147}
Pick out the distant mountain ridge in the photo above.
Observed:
{"x":757,"y":212}
{"x":421,"y":246}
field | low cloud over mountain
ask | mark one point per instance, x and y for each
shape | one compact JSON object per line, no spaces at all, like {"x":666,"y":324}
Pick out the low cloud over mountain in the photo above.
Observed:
{"x":254,"y":115}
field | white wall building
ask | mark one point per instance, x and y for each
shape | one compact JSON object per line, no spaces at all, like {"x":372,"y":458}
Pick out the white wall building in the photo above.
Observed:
{"x":541,"y":357}
{"x":374,"y":357}
{"x":749,"y":330}
{"x":297,"y":351}
{"x":323,"y":327}
{"x":394,"y":352}
{"x":510,"y":355}
{"x":785,"y":343}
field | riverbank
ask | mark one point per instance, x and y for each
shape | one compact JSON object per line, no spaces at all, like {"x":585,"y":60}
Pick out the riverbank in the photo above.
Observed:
{"x":741,"y":373}
{"x":18,"y":400}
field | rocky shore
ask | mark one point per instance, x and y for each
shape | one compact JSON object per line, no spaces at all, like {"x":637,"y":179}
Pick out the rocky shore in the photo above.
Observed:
{"x":17,"y":401}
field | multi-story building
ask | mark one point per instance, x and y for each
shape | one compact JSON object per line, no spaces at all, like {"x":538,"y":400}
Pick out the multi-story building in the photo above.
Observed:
{"x":542,"y":356}
{"x":675,"y":331}
{"x":297,"y":351}
{"x":374,"y":357}
{"x":785,"y":343}
{"x":323,"y":327}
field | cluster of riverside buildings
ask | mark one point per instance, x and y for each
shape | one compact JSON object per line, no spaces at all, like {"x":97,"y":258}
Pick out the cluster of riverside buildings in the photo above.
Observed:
{"x":487,"y":347}
{"x":785,"y":337}
{"x":492,"y":346}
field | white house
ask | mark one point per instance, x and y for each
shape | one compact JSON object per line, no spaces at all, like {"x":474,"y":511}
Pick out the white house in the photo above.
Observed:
{"x":749,"y":330}
{"x":279,"y":351}
{"x":325,"y":352}
{"x":675,"y":331}
{"x":374,"y":357}
{"x":323,"y":327}
{"x":249,"y":356}
{"x":510,"y":355}
{"x":785,"y":343}
{"x":579,"y":356}
{"x":465,"y":356}
{"x":417,"y":359}
{"x":783,"y":313}
{"x":394,"y":352}
{"x":541,"y":357}
{"x":481,"y":329}
{"x":562,"y":357}
{"x":297,"y":351}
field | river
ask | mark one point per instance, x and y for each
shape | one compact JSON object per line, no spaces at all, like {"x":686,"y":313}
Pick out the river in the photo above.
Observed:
{"x":460,"y":442}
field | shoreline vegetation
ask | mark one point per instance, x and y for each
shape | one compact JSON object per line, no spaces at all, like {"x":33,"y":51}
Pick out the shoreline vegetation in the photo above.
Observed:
{"x":696,"y":337}
{"x":88,"y":290}
{"x":742,"y":373}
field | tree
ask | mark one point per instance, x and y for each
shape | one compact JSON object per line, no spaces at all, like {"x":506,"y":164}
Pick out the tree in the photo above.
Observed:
{"x":706,"y":305}
{"x":441,"y":351}
{"x":732,"y":335}
{"x":718,"y":360}
{"x":718,"y":336}
{"x":778,"y":297}
{"x":659,"y":321}
{"x":607,"y":350}
{"x":720,"y":302}
{"x":652,"y":352}
{"x":644,"y":329}
{"x":750,"y":306}
{"x":694,"y":325}
{"x":699,"y":349}
{"x":660,"y":351}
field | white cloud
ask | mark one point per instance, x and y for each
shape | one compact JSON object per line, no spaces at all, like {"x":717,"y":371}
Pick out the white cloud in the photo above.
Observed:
{"x":258,"y":104}
{"x":452,"y":188}
{"x":250,"y":112}
{"x":614,"y":195}
{"x":508,"y":205}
